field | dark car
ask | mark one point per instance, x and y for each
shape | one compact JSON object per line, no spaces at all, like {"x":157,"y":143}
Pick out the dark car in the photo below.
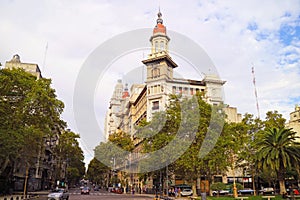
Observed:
{"x":85,"y":190}
{"x":96,"y":188}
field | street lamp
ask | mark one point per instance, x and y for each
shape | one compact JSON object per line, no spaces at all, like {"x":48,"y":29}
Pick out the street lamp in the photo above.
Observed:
{"x":233,"y":173}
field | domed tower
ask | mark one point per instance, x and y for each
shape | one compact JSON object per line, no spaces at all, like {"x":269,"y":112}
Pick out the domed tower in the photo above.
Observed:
{"x":159,"y":40}
{"x":159,"y":63}
{"x":159,"y":69}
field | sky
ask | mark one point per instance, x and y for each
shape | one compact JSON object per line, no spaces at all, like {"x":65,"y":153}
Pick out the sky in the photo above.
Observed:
{"x":61,"y":35}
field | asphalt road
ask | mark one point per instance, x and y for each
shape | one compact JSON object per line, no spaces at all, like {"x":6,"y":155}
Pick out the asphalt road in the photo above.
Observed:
{"x":102,"y":194}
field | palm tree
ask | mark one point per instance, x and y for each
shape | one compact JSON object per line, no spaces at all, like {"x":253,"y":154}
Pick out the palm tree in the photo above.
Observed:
{"x":278,"y":151}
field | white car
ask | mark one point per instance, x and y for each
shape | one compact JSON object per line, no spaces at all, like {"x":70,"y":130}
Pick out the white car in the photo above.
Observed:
{"x":268,"y":190}
{"x":186,"y":192}
{"x":58,"y":194}
{"x":221,"y":192}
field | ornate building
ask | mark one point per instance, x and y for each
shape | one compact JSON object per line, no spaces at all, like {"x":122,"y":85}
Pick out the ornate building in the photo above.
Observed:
{"x":153,"y":96}
{"x":143,"y":100}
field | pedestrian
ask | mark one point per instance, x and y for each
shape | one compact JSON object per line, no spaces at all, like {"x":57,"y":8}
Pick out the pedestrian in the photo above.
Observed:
{"x":176,"y":192}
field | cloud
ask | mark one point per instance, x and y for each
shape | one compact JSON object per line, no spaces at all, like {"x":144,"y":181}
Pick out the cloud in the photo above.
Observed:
{"x":235,"y":34}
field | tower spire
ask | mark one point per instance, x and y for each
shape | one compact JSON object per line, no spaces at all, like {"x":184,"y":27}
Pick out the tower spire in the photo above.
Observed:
{"x":159,"y":39}
{"x":159,"y":19}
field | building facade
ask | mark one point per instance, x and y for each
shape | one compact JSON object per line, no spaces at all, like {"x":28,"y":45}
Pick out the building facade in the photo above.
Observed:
{"x":153,"y":96}
{"x":143,"y":100}
{"x":31,"y":68}
{"x":294,"y":121}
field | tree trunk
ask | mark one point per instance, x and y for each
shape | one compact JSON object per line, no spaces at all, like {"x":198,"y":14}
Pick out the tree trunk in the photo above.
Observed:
{"x":3,"y":167}
{"x":253,"y":183}
{"x":194,"y":189}
{"x":282,"y":186}
{"x":25,"y":182}
{"x":198,"y":189}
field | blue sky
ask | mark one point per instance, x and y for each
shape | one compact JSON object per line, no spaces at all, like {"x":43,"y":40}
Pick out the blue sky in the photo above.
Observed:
{"x":235,"y":34}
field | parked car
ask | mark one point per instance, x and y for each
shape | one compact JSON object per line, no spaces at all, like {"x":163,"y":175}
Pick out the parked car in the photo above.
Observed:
{"x":221,"y":192}
{"x":294,"y":190}
{"x":96,"y":188}
{"x":85,"y":190}
{"x":267,"y":190}
{"x":246,"y":191}
{"x":58,"y":194}
{"x":186,"y":192}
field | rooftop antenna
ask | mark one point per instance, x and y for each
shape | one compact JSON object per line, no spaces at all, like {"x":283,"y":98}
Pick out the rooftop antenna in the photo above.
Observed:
{"x":44,"y":61}
{"x":255,"y":91}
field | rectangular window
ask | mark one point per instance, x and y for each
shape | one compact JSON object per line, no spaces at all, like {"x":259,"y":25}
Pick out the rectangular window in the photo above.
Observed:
{"x":185,"y":91}
{"x":155,"y":105}
{"x":155,"y":89}
{"x":180,"y":90}
{"x":174,"y":89}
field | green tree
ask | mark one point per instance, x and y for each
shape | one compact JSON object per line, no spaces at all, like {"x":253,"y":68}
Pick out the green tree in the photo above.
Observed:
{"x":218,"y":187}
{"x":278,"y":151}
{"x":188,"y":121}
{"x":98,"y":172}
{"x":29,"y":111}
{"x":70,"y":157}
{"x":274,"y":119}
{"x":114,"y":153}
{"x":247,"y":150}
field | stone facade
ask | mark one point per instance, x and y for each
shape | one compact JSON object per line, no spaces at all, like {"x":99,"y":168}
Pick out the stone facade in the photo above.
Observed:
{"x":153,"y":96}
{"x":232,"y":115}
{"x":294,"y":121}
{"x":31,"y":68}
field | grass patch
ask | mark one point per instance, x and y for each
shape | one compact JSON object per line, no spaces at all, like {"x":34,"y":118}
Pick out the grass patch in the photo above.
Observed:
{"x":277,"y":197}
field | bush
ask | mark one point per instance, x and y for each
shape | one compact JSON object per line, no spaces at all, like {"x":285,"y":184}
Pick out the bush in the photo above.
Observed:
{"x":218,"y":186}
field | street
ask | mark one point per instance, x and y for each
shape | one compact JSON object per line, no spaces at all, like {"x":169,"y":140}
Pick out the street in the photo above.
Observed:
{"x":102,"y":194}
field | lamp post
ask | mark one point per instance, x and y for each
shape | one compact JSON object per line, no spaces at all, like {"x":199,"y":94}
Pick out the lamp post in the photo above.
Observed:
{"x":233,"y":173}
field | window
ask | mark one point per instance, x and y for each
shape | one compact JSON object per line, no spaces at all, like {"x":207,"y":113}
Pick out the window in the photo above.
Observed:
{"x":155,"y":105}
{"x":162,"y":46}
{"x":180,"y":90}
{"x":185,"y":91}
{"x":156,"y":46}
{"x":191,"y":91}
{"x":174,"y":89}
{"x":155,"y":89}
{"x":155,"y":72}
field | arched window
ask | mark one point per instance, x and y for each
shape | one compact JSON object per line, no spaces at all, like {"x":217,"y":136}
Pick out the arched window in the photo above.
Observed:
{"x":156,"y":46}
{"x":162,"y":46}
